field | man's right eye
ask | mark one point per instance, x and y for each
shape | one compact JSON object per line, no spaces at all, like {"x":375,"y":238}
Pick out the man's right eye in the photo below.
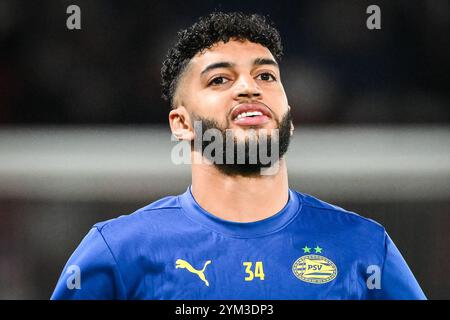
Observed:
{"x":218,"y":81}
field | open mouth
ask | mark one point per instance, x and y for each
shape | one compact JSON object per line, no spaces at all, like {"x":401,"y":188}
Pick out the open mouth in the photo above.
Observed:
{"x":251,"y":115}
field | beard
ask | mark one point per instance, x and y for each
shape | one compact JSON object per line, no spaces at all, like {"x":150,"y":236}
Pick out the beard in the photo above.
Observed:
{"x":245,"y":158}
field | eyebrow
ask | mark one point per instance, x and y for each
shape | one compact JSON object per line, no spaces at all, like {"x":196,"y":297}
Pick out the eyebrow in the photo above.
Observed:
{"x":264,"y":61}
{"x":217,"y":65}
{"x":225,"y":64}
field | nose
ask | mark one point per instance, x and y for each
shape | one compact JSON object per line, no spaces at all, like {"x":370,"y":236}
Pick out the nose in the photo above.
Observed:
{"x":246,"y":87}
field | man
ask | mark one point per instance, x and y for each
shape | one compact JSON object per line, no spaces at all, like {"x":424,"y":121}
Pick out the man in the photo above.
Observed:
{"x":238,"y":232}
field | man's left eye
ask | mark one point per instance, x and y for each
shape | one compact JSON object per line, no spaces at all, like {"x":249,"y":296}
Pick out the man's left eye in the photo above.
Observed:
{"x":266,"y":76}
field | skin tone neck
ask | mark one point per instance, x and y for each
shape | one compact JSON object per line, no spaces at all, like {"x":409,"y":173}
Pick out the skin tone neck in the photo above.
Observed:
{"x":239,"y":199}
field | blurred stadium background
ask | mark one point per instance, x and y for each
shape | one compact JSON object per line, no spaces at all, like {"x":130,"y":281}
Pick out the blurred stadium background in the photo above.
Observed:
{"x":84,"y":134}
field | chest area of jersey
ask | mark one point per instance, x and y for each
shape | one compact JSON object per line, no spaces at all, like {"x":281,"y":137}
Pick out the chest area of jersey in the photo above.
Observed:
{"x":254,"y":270}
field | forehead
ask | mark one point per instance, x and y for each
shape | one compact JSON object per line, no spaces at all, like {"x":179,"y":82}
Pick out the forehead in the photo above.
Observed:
{"x":235,"y":51}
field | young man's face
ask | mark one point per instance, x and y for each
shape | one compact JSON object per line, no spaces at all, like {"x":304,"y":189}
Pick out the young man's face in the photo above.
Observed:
{"x":235,"y":86}
{"x":230,"y":79}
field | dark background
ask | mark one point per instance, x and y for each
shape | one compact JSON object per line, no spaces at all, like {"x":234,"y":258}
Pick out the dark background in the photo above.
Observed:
{"x":335,"y":72}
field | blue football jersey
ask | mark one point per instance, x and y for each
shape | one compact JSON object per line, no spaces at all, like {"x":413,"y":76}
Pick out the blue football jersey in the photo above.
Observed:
{"x":174,"y":249}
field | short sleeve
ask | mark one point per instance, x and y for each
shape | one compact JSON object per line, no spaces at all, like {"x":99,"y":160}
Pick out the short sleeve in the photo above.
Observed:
{"x":91,"y":272}
{"x":397,"y":280}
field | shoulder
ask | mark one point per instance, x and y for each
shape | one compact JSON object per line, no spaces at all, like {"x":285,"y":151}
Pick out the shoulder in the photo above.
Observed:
{"x":154,"y":216}
{"x":329,"y":216}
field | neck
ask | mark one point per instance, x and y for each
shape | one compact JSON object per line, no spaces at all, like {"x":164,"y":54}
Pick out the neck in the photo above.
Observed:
{"x":240,"y":199}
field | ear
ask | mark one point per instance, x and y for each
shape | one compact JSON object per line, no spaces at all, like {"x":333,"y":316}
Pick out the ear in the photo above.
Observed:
{"x":180,"y":124}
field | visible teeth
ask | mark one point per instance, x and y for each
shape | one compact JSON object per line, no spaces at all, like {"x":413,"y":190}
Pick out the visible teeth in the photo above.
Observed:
{"x":248,"y":114}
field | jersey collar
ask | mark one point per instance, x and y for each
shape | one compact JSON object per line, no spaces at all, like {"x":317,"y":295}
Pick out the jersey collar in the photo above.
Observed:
{"x":259,"y":228}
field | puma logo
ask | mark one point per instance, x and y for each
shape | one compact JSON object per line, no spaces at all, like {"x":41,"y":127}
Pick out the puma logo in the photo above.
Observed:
{"x":186,"y":265}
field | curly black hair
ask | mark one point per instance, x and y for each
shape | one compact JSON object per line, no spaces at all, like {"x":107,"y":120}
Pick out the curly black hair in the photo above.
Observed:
{"x":209,"y":30}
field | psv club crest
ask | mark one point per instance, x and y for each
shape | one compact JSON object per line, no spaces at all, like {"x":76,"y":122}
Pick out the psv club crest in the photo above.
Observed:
{"x":314,"y":268}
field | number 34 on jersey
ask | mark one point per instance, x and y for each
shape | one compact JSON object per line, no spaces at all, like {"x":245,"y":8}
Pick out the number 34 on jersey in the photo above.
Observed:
{"x":254,"y":270}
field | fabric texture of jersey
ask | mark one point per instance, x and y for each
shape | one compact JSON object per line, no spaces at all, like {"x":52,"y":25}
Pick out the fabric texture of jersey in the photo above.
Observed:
{"x":174,"y":249}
